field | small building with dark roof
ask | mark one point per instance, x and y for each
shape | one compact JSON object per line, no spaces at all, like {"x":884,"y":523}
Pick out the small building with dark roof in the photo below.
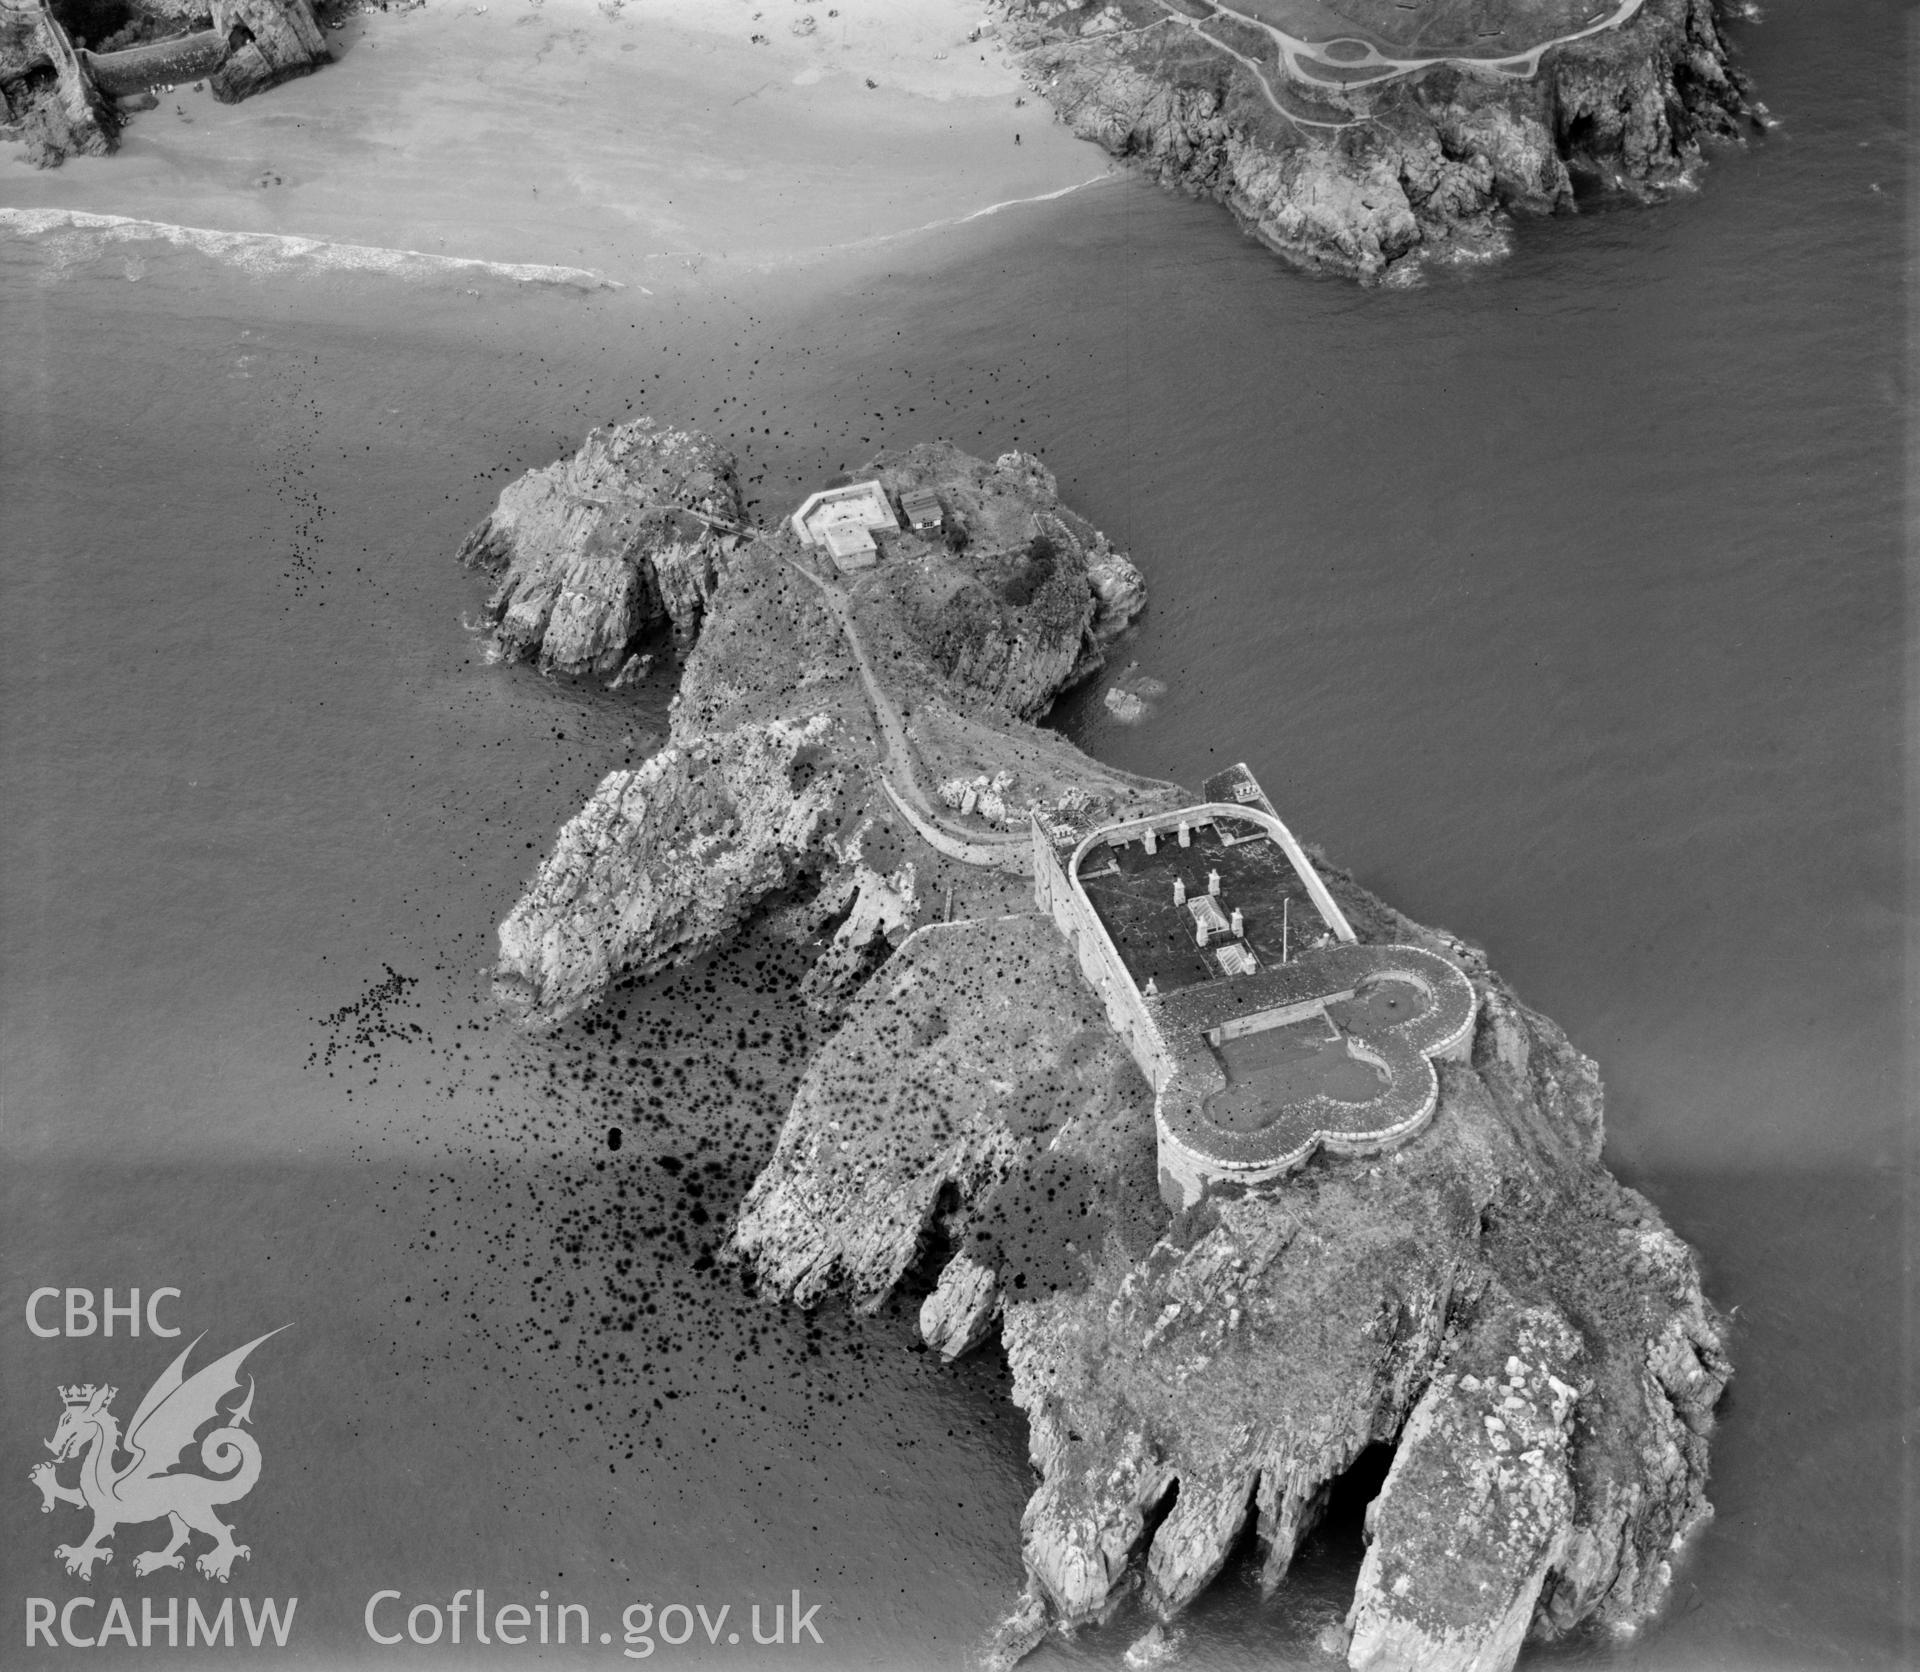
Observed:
{"x":921,"y":508}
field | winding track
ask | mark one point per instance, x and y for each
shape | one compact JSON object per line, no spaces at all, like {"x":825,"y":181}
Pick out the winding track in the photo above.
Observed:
{"x":899,"y":776}
{"x":1299,"y":55}
{"x":1369,"y":68}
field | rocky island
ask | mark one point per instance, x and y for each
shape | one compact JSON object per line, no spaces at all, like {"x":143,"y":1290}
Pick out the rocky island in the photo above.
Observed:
{"x":798,"y":776}
{"x":1357,"y":136}
{"x":1254,"y":1179}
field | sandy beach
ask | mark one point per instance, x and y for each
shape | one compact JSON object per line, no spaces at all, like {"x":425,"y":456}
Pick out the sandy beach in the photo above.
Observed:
{"x":646,"y":140}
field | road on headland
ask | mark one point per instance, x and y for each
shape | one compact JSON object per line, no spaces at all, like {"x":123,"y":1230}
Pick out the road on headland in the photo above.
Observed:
{"x":899,"y":776}
{"x":1346,"y":60}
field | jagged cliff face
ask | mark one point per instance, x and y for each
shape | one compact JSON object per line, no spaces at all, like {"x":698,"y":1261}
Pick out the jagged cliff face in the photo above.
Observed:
{"x":781,"y":779}
{"x":1358,"y":180}
{"x":591,"y":553}
{"x":270,"y":41}
{"x":1017,"y":597}
{"x":47,"y":99}
{"x":1523,"y":1330}
{"x":58,"y":100}
{"x":667,"y":859}
{"x":970,"y":1050}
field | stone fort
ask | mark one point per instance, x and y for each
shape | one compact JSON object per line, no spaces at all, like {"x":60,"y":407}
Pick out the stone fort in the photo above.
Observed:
{"x":1266,"y":1028}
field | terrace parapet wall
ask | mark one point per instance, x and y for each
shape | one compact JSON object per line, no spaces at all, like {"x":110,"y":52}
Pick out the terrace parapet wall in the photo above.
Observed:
{"x":1171,"y":1035}
{"x":1100,"y":961}
{"x":1196,"y":1153}
{"x":1213,"y":812}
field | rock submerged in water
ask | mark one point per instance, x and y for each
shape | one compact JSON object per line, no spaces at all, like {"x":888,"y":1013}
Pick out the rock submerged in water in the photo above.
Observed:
{"x":1130,"y":700}
{"x":1356,"y":171}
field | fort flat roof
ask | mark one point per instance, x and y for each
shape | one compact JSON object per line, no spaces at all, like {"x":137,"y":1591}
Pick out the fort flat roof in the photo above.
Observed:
{"x":1250,"y":1097}
{"x":862,"y":503}
{"x":1132,"y":891}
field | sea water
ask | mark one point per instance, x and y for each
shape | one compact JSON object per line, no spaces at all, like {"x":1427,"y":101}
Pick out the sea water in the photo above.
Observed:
{"x":1562,"y":600}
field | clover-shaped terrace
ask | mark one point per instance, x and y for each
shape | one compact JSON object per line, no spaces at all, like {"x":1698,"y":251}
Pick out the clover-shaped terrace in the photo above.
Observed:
{"x":1266,"y":1028}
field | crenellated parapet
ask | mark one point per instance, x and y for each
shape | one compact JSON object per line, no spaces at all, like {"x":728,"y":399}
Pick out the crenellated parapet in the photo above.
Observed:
{"x":1335,"y":1052}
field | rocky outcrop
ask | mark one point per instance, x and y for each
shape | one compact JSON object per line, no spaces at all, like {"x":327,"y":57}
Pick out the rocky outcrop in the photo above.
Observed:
{"x":1119,"y":595}
{"x":955,"y":1318}
{"x":589,"y":554}
{"x":1521,"y":1329}
{"x":1363,"y":177}
{"x":666,"y":859}
{"x":971,"y":1047}
{"x":57,"y":95}
{"x":1025,"y":596}
{"x":783,"y":782}
{"x":269,"y":41}
{"x":1484,"y":1468}
{"x":50,"y":102}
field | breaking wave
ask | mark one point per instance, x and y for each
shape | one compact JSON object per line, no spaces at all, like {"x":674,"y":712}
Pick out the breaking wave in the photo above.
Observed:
{"x":274,"y":253}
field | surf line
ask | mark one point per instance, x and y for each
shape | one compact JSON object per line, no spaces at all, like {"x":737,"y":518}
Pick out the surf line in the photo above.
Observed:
{"x":1016,"y":203}
{"x":273,"y":251}
{"x":876,"y":240}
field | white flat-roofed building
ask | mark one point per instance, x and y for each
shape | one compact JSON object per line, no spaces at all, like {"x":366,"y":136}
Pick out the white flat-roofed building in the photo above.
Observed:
{"x":842,"y":520}
{"x":850,"y":544}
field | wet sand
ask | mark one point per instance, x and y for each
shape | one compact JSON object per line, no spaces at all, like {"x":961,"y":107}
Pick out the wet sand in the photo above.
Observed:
{"x":648,"y":141}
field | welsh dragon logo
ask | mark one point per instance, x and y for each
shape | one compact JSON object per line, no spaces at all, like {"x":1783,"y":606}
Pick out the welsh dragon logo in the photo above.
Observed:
{"x":144,"y":1488}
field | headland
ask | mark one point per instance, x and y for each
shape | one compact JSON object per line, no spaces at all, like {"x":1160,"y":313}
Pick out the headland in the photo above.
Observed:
{"x":1258,"y":1181}
{"x":1363,"y":136}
